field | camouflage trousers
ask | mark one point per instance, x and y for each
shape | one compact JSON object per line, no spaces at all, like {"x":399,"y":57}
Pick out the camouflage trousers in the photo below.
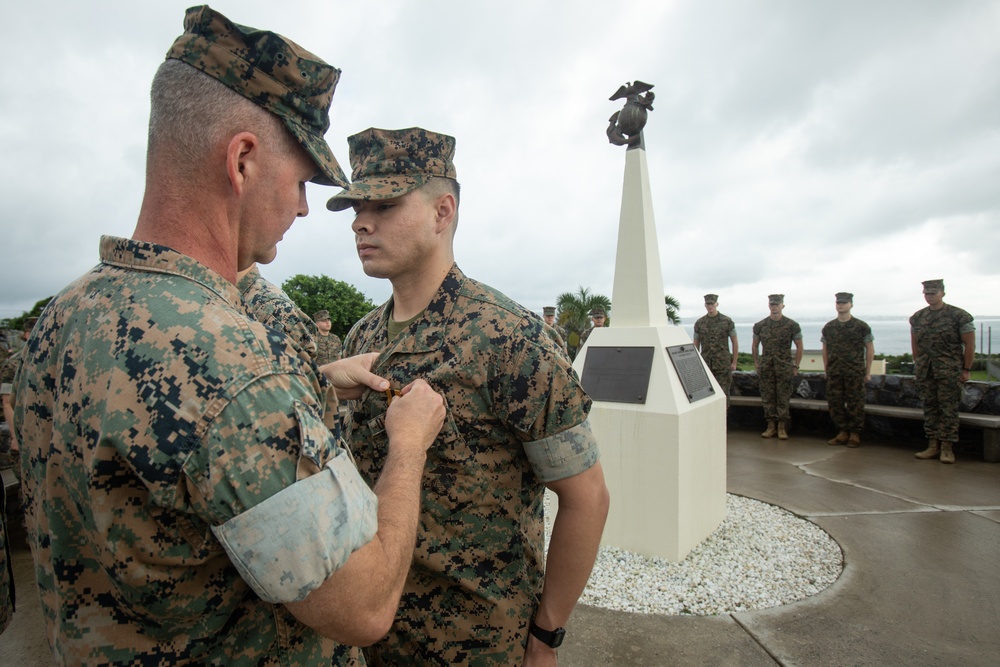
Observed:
{"x":724,"y":377}
{"x":845,"y":395}
{"x":776,"y":391}
{"x":942,"y":398}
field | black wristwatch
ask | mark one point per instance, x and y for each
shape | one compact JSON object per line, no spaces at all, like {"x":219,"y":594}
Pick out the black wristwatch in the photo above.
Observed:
{"x":552,"y":638}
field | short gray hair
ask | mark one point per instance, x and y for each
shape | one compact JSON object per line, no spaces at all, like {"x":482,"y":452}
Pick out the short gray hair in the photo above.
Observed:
{"x":190,"y":112}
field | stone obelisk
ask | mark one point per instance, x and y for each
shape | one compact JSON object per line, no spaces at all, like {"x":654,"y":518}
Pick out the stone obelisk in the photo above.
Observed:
{"x":662,"y":436}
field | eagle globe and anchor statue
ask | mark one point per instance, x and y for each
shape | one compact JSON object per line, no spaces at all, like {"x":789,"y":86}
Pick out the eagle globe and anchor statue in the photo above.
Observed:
{"x":659,"y":420}
{"x":625,"y":126}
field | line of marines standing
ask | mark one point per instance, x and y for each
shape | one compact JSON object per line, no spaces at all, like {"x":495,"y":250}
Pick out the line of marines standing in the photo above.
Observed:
{"x":942,"y":342}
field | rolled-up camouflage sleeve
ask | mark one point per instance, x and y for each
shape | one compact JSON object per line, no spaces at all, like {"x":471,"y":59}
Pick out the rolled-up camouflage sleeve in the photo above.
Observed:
{"x":538,"y":395}
{"x":564,"y":454}
{"x":288,"y":545}
{"x":286,"y":503}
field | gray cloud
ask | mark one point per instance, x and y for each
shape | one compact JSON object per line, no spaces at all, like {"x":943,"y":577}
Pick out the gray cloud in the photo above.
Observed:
{"x":793,"y":146}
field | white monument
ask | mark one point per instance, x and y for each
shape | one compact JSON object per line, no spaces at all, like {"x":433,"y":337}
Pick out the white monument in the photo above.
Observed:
{"x":663,"y":441}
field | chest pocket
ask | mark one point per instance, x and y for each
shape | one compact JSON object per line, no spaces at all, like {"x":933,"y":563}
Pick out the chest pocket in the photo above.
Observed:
{"x":453,"y":475}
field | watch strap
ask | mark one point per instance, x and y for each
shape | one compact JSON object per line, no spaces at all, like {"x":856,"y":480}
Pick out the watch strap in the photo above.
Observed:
{"x":551,"y":638}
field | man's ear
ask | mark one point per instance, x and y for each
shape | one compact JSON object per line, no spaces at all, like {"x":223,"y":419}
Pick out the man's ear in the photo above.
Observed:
{"x":445,"y":208}
{"x":242,"y":156}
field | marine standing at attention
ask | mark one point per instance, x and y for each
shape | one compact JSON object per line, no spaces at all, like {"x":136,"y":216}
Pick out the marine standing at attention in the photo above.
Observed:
{"x":774,"y":335}
{"x":549,"y":315}
{"x":943,"y":339}
{"x":599,"y":318}
{"x":481,"y":590}
{"x":713,"y":333}
{"x":848,"y":352}
{"x":328,"y":344}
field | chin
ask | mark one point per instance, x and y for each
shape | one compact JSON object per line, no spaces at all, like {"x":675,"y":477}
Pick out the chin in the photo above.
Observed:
{"x":267,"y":257}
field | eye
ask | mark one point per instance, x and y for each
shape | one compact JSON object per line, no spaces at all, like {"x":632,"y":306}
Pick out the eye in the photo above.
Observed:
{"x":385,"y":206}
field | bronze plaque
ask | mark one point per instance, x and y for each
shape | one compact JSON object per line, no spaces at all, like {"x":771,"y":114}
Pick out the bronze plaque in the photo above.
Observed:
{"x":691,"y":372}
{"x":617,"y":374}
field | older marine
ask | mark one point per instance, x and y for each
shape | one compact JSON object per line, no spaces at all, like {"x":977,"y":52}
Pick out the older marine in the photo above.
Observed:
{"x":185,"y":503}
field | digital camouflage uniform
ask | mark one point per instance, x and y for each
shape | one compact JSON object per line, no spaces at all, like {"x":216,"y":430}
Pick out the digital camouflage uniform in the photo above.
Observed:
{"x":938,"y":367}
{"x":328,"y":348}
{"x":558,"y":335}
{"x":180,"y":485}
{"x":713,"y":334}
{"x":847,"y":359}
{"x":775,"y":367}
{"x":179,"y":482}
{"x":268,"y":304}
{"x":517,"y":417}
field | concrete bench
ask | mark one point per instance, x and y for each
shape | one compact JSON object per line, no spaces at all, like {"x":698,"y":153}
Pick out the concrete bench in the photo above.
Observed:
{"x":990,"y":424}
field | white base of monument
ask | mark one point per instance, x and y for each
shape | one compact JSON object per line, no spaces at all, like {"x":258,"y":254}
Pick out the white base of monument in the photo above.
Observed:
{"x":664,"y":460}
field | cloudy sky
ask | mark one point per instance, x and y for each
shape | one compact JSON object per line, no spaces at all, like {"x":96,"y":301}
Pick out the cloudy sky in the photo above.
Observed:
{"x":795,"y":147}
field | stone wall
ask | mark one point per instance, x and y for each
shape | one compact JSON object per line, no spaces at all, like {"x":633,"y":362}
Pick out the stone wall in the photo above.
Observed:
{"x":895,"y":390}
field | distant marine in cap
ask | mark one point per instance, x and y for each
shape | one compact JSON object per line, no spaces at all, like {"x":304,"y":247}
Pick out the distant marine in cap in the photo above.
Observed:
{"x":936,"y":284}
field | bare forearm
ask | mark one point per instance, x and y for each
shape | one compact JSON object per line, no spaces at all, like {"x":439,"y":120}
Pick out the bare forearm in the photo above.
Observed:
{"x":969,"y":340}
{"x":576,"y":537}
{"x":357,"y":604}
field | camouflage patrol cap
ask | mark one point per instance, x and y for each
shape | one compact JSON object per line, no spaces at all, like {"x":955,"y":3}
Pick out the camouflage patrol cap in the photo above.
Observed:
{"x":598,"y":312}
{"x":321,"y":315}
{"x":711,"y":298}
{"x":776,"y":298}
{"x":844,"y":297}
{"x":391,"y":163}
{"x":933,"y":285}
{"x":271,"y":71}
{"x":549,"y":310}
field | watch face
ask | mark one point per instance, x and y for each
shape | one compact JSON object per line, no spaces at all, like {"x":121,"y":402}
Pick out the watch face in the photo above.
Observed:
{"x":552,"y":638}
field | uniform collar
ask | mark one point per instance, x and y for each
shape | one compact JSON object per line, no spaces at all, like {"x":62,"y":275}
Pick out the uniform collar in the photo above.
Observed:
{"x":144,"y":256}
{"x":428,"y":332}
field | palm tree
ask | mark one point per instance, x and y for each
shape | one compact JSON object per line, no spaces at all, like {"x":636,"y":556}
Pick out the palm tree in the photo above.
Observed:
{"x":673,"y":306}
{"x":574,"y":312}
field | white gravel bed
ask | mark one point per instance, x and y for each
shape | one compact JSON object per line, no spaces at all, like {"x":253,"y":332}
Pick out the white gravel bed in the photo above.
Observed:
{"x":761,"y":556}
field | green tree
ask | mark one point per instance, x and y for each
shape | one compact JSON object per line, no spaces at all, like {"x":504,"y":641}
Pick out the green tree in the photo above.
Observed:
{"x":673,"y":308}
{"x":17,"y":323}
{"x":574,"y":312}
{"x":344,"y":302}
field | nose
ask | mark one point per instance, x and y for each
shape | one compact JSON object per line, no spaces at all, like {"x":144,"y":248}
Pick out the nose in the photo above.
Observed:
{"x":303,"y":204}
{"x":361,"y":224}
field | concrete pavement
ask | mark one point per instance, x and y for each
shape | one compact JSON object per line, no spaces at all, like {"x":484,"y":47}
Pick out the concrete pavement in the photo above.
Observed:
{"x":920,"y":585}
